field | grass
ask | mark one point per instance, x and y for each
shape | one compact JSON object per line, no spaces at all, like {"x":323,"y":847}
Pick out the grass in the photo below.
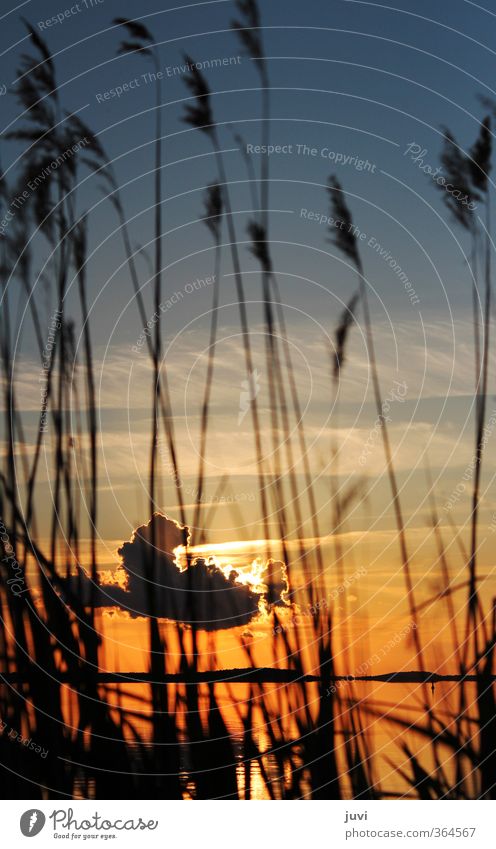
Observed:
{"x":170,"y":735}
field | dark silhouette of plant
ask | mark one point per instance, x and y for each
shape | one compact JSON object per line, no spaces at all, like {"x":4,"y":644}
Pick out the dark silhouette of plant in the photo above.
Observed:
{"x":213,"y":221}
{"x":301,"y":737}
{"x":249,"y":30}
{"x":341,"y":334}
{"x":199,"y":116}
{"x":468,"y":173}
{"x":479,"y":166}
{"x":345,"y":239}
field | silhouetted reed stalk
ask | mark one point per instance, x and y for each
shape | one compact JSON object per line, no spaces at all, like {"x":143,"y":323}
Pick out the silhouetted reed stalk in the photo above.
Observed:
{"x":482,"y":396}
{"x":142,"y":43}
{"x":446,"y":591}
{"x":36,"y":85}
{"x":250,"y":35}
{"x":455,"y":165}
{"x":260,"y":250}
{"x":8,"y":504}
{"x":307,"y":472}
{"x":293,"y":654}
{"x":199,"y":115}
{"x":345,"y":240}
{"x":37,"y":92}
{"x":469,"y":173}
{"x":342,"y":331}
{"x":8,"y":376}
{"x":318,"y":743}
{"x":249,"y":31}
{"x":113,"y":196}
{"x":213,"y":220}
{"x":80,"y":254}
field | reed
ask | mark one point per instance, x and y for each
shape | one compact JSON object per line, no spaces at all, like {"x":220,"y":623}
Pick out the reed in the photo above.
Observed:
{"x":309,"y":733}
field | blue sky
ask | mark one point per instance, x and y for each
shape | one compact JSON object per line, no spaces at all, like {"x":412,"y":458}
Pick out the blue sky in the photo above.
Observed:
{"x":359,"y":78}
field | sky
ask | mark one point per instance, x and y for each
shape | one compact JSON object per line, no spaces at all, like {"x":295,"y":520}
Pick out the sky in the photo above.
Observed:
{"x":351,"y":82}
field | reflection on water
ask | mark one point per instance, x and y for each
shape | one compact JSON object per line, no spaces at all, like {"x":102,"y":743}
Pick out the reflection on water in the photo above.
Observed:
{"x":390,"y":715}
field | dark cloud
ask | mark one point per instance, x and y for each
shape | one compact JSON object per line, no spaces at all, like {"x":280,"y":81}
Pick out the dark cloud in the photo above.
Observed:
{"x":150,"y":582}
{"x":276,"y":579}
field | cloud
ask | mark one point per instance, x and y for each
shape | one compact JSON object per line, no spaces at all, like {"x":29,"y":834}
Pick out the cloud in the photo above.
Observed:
{"x":150,"y":582}
{"x":276,"y":579}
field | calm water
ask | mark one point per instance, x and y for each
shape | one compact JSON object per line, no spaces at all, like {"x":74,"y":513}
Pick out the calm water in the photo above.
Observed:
{"x":381,"y":704}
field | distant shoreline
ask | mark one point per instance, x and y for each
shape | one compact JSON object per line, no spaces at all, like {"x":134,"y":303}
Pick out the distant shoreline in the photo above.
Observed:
{"x":263,"y":675}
